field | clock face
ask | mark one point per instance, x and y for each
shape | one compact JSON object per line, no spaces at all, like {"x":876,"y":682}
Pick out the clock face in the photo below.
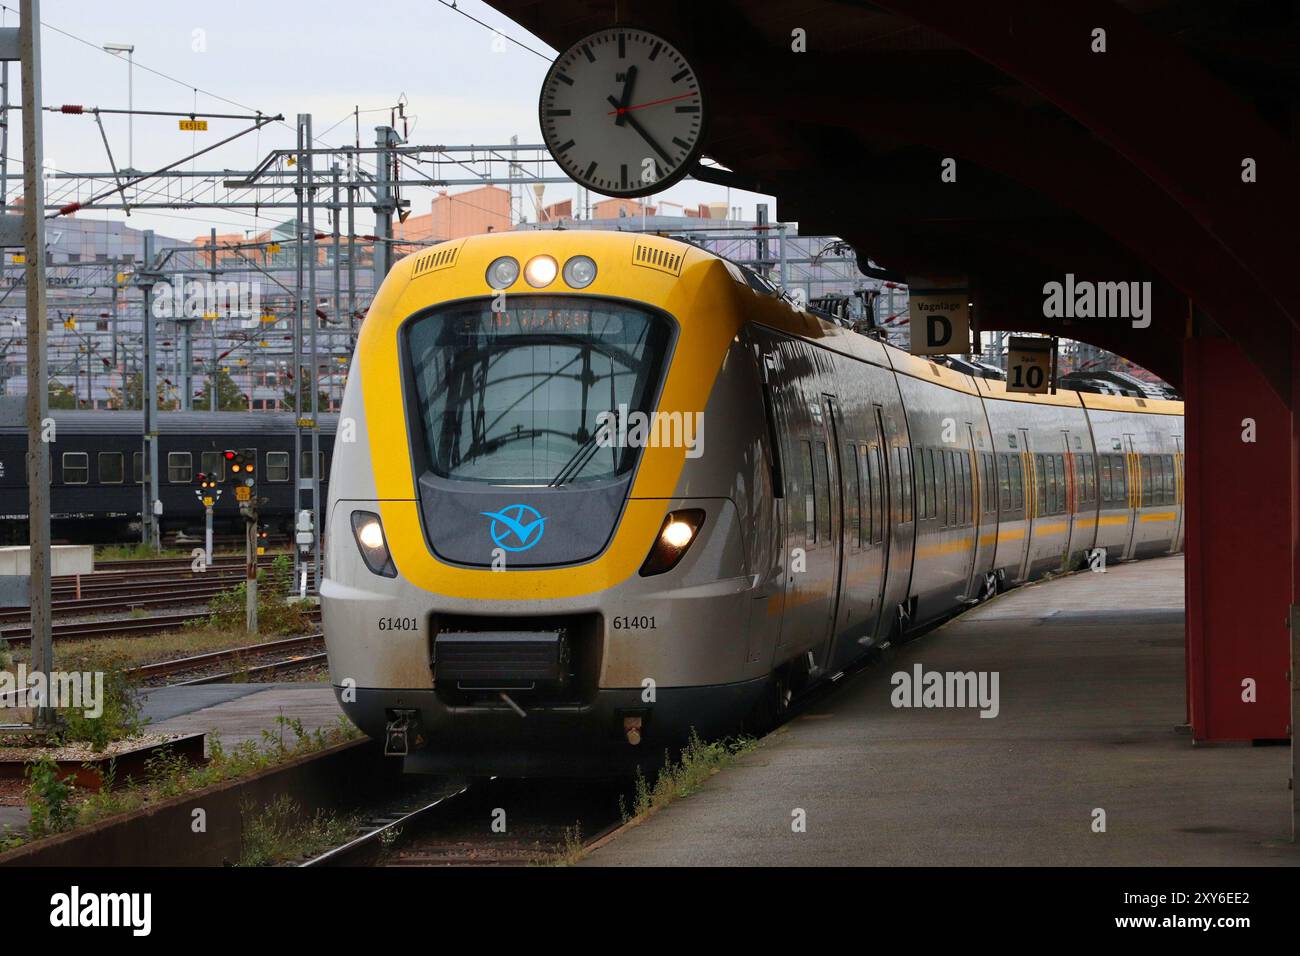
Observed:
{"x":621,"y":112}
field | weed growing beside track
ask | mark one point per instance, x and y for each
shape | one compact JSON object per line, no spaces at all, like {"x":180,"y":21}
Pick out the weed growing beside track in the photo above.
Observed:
{"x":56,"y":806}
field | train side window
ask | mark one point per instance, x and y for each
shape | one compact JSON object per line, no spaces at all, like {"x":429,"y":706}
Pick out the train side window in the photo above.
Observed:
{"x":180,"y":467}
{"x":1144,"y":465}
{"x":137,"y":467}
{"x":962,"y":460}
{"x":990,"y":484}
{"x":1105,"y":477}
{"x":1171,"y":480}
{"x":1004,"y":481}
{"x":773,"y":444}
{"x":1089,"y":479}
{"x":76,"y":467}
{"x":875,"y":468}
{"x":923,"y":472}
{"x":822,"y":461}
{"x":1058,"y":471}
{"x":944,"y":476}
{"x":853,"y":497}
{"x":810,"y":495}
{"x":305,"y":464}
{"x":1120,"y":475}
{"x":905,"y":483}
{"x":1040,"y":469}
{"x":277,"y":465}
{"x":213,"y":465}
{"x":110,"y":468}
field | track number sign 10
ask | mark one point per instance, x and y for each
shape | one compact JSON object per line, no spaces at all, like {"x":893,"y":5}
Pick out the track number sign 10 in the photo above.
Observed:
{"x":1029,"y":365}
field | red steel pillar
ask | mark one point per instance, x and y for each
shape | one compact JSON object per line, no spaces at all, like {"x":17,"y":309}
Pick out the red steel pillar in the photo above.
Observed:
{"x":1240,"y":516}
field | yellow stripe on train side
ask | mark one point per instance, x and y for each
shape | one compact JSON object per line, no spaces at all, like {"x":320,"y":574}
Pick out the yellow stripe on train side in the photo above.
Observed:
{"x":1159,"y":516}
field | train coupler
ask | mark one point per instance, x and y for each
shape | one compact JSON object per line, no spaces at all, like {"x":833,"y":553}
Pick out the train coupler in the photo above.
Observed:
{"x":397,"y":733}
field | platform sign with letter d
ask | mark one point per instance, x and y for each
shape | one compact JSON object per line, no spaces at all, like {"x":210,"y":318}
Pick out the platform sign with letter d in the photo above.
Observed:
{"x":940,"y":323}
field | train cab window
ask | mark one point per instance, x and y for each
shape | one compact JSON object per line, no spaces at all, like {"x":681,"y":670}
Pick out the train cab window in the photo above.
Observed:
{"x":76,"y":467}
{"x":822,"y":463}
{"x":904,"y":456}
{"x":277,"y":466}
{"x":110,"y":468}
{"x":853,"y":497}
{"x":213,"y":465}
{"x":180,"y":467}
{"x":810,"y":496}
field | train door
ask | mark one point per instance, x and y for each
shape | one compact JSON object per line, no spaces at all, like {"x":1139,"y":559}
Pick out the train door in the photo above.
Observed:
{"x":1178,"y":494}
{"x":882,"y":518}
{"x":1133,"y":502}
{"x":1072,"y":493}
{"x":1030,"y":488}
{"x":830,"y":459}
{"x":972,"y":492}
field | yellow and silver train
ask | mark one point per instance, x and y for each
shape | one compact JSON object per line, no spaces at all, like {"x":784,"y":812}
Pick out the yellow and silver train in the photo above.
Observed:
{"x":593,"y":490}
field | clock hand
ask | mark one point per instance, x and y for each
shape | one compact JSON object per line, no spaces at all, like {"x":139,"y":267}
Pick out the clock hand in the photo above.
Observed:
{"x":631,"y":121}
{"x":628,"y":79}
{"x":641,"y":106}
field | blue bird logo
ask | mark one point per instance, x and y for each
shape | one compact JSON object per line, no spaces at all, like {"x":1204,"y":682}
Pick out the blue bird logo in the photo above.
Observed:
{"x":524,"y":522}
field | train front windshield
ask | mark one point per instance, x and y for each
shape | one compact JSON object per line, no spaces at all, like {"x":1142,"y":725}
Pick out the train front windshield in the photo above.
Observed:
{"x":516,"y":397}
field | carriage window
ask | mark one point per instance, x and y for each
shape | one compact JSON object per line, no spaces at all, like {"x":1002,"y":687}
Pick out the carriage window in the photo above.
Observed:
{"x":213,"y":465}
{"x":1040,"y":472}
{"x":1144,"y":465}
{"x":1105,"y":477}
{"x":1089,"y":479}
{"x":853,"y":497}
{"x":1015,"y":467}
{"x":180,"y":467}
{"x":137,"y":467}
{"x":875,"y":471}
{"x":1059,"y":461}
{"x":822,"y":461}
{"x":277,"y":466}
{"x":76,"y":467}
{"x":990,"y":485}
{"x":110,"y":468}
{"x":1004,"y":481}
{"x":1119,"y":473}
{"x":809,"y":496}
{"x":1171,"y":476}
{"x":905,"y":483}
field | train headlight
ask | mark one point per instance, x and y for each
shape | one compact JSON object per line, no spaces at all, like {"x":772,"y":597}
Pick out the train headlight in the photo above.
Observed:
{"x":503,"y":272}
{"x":579,"y":272}
{"x":369,"y":532}
{"x":679,"y":529}
{"x":540,"y":271}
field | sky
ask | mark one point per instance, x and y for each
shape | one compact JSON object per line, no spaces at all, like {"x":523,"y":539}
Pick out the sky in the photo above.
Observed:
{"x":324,"y":57}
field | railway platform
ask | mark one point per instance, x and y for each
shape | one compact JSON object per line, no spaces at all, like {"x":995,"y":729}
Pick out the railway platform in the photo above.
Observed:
{"x":1090,"y":716}
{"x":239,"y":712}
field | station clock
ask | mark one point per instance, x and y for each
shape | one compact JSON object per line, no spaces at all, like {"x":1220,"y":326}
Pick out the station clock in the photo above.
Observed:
{"x":622,"y":112}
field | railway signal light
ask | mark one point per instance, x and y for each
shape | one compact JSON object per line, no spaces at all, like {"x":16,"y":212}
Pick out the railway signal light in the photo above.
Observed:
{"x":239,"y":465}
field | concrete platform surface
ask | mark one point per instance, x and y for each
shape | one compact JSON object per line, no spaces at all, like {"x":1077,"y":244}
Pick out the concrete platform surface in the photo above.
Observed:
{"x":1090,"y":702}
{"x":240,"y":711}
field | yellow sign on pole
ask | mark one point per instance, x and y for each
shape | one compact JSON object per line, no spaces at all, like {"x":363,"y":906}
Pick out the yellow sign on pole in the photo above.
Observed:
{"x":207,"y":501}
{"x":243,"y":492}
{"x":194,"y":126}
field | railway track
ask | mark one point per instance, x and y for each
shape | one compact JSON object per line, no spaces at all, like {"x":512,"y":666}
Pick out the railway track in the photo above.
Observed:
{"x":199,"y":662}
{"x":130,"y":627}
{"x":158,"y":595}
{"x":492,"y":822}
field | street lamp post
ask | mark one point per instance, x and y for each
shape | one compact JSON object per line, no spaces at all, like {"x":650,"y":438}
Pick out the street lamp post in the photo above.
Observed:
{"x":129,"y":50}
